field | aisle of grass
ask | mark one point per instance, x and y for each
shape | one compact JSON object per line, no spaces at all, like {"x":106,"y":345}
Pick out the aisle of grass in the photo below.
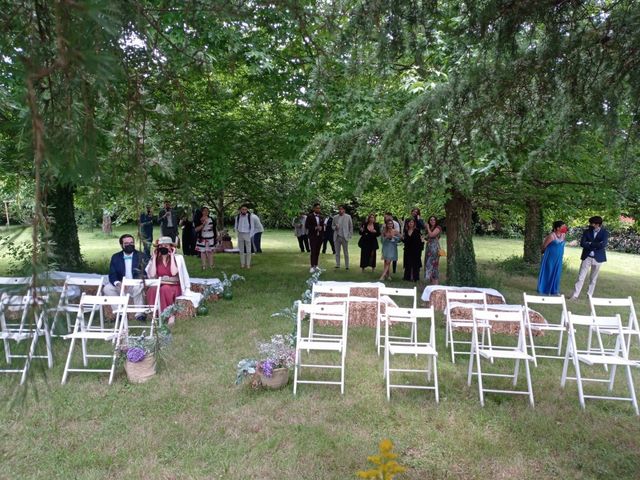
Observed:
{"x":191,"y":421}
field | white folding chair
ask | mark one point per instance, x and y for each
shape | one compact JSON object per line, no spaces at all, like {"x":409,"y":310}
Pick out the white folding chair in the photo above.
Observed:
{"x":69,"y":308}
{"x":310,"y":343}
{"x":327,"y":295}
{"x":623,"y":306}
{"x":590,"y":356}
{"x":558,"y":327}
{"x":457,"y":299}
{"x":29,"y":327}
{"x":481,"y":320}
{"x":84,"y":331}
{"x":153,"y":309}
{"x":410,"y":346}
{"x":385,"y":301}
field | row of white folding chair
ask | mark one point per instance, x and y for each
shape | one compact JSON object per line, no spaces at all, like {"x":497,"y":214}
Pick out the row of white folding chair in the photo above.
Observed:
{"x":386,"y":300}
{"x":410,"y":346}
{"x":67,"y":309}
{"x":591,"y":356}
{"x":482,"y":321}
{"x":630,"y":328}
{"x":327,"y":294}
{"x":559,"y":326}
{"x":85,"y":332}
{"x":335,"y":313}
{"x":475,"y":300}
{"x":28,"y":327}
{"x":153,"y":308}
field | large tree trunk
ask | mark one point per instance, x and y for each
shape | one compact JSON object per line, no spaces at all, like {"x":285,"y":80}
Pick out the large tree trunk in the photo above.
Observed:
{"x":64,"y":231}
{"x":461,"y":257}
{"x":533,"y":231}
{"x":220,"y":211}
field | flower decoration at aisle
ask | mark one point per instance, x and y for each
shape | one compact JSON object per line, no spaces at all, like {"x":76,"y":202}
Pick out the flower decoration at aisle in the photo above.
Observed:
{"x":277,"y":353}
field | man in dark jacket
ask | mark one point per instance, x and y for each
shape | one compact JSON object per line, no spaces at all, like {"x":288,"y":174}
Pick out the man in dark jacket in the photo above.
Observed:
{"x":126,"y":264}
{"x":593,"y":242}
{"x":315,"y":226}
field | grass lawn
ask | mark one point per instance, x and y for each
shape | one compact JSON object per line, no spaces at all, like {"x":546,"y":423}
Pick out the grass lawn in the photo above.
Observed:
{"x":191,"y":421}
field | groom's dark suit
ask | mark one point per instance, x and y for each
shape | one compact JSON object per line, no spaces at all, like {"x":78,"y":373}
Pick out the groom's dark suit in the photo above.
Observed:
{"x":316,"y":235}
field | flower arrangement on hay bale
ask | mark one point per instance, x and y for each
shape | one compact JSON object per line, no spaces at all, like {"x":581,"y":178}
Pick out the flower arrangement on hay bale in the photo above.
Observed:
{"x":227,"y":284}
{"x":277,"y":357}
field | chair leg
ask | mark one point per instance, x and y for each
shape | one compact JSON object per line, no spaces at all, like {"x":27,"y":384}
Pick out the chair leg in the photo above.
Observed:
{"x":576,"y":364}
{"x":30,"y":354}
{"x":344,"y":355}
{"x":7,"y":352}
{"x":387,"y":373}
{"x":470,"y":369}
{"x":533,"y":345}
{"x":480,"y":390}
{"x":295,"y":371}
{"x":515,"y":372}
{"x":429,"y":367}
{"x":435,"y":378}
{"x":453,"y":353}
{"x":632,"y":391}
{"x":68,"y":362}
{"x":565,"y":367}
{"x":529,"y":386}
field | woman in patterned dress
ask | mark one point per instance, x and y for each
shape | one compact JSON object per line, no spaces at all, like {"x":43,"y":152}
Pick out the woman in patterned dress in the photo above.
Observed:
{"x":432,"y":256}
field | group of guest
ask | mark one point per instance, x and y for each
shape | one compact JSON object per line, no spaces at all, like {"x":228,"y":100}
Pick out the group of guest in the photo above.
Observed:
{"x":414,"y":234}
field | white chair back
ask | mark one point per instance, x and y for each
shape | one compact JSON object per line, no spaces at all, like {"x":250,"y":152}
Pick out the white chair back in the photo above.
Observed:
{"x":559,"y":326}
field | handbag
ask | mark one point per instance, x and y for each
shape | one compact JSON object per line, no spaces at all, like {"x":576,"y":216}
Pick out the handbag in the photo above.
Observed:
{"x":442,"y":252}
{"x":361,"y":242}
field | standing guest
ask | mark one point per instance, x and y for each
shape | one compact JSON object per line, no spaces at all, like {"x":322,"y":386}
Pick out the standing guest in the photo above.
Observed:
{"x":328,"y":235}
{"x":368,"y":243}
{"x":146,"y":230}
{"x":315,"y":226}
{"x":188,"y":236}
{"x":207,"y":236}
{"x":256,"y":239}
{"x":551,"y":267}
{"x":396,"y":225}
{"x":432,"y":256}
{"x":244,"y":229}
{"x":168,"y":221}
{"x":415,"y":213}
{"x":170,"y":268}
{"x":343,"y":231}
{"x":126,"y":264}
{"x":390,"y":239}
{"x":413,"y":246}
{"x":593,"y":242}
{"x":301,"y":233}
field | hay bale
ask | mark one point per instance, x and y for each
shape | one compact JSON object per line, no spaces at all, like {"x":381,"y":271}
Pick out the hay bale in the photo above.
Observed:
{"x":186,"y":310}
{"x":499,"y":327}
{"x":200,"y":288}
{"x":439,"y":299}
{"x":361,"y":313}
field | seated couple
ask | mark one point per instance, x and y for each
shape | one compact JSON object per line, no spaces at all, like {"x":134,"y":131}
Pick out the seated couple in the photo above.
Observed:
{"x":164,"y":264}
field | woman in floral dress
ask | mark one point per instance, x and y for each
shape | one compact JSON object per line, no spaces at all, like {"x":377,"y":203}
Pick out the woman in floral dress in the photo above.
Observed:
{"x":432,"y":256}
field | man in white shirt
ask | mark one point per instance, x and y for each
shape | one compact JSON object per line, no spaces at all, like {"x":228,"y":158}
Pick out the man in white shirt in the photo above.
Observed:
{"x":126,"y":264}
{"x":244,"y":229}
{"x":343,"y":231}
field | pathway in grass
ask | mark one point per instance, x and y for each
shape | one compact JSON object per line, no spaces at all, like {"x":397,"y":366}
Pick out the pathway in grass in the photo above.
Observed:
{"x":191,"y":421}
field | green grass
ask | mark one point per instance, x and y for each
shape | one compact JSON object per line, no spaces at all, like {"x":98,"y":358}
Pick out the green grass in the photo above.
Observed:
{"x":191,"y":421}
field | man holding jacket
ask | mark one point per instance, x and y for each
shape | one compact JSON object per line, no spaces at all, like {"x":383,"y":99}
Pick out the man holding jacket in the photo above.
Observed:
{"x":593,"y":242}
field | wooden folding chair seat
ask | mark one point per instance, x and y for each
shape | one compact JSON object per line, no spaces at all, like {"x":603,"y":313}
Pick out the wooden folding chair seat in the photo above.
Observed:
{"x":589,"y":356}
{"x":473,"y":300}
{"x":558,"y":327}
{"x":85,"y":331}
{"x":67,"y":305}
{"x":31,"y":326}
{"x":387,"y":297}
{"x":310,"y":342}
{"x":398,"y":346}
{"x":518,"y":353}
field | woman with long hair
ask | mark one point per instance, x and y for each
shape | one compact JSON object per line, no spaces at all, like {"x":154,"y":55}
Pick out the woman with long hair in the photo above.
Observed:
{"x":412,"y":258}
{"x":551,"y":266}
{"x":206,"y":232}
{"x":390,"y":239}
{"x":432,"y":255}
{"x":368,"y":243}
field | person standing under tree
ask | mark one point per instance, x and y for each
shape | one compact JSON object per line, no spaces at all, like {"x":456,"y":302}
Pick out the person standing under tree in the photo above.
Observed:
{"x":315,"y":226}
{"x":390,"y":239}
{"x":244,"y":229}
{"x":343,"y":231}
{"x":551,"y":266}
{"x":301,"y":233}
{"x":412,"y":259}
{"x":328,"y":235}
{"x":432,"y":255}
{"x":256,"y":239}
{"x":593,"y":242}
{"x":146,"y":230}
{"x":368,"y":243}
{"x":168,"y":221}
{"x":206,"y":238}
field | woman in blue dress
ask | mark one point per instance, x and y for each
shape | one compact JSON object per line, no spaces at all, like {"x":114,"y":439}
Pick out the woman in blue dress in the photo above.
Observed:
{"x":551,"y":267}
{"x":390,"y":239}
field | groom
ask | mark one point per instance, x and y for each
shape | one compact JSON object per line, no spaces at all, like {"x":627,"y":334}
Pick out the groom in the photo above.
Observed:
{"x":593,"y":242}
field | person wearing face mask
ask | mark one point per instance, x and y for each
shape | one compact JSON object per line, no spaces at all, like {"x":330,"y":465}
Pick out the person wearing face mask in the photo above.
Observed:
{"x":170,"y":268}
{"x":593,"y":242}
{"x":551,"y":266}
{"x":126,"y":264}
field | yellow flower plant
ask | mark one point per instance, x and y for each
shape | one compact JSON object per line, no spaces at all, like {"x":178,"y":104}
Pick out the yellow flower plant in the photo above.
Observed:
{"x":386,"y":466}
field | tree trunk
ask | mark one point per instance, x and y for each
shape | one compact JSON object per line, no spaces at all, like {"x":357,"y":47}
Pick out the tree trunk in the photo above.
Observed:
{"x":533,"y":231}
{"x":106,"y":224}
{"x":64,"y":231}
{"x":461,"y":257}
{"x":220,"y":211}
